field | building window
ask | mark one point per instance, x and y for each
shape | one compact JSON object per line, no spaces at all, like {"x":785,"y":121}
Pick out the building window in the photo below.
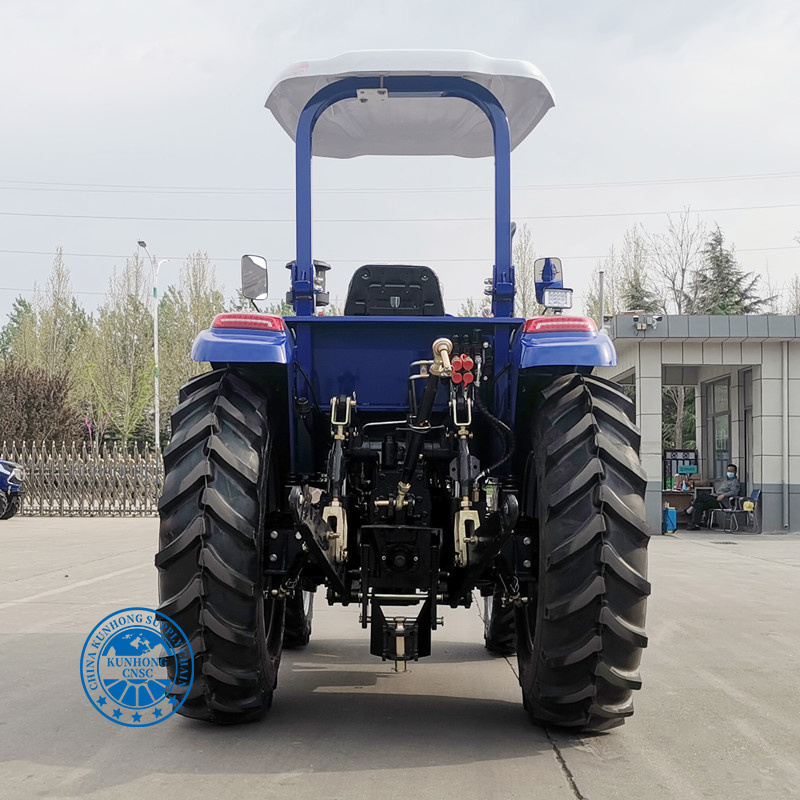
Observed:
{"x":719,"y":425}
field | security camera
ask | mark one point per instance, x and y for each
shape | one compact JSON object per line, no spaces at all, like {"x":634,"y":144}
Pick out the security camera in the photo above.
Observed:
{"x":635,"y":317}
{"x":657,"y":318}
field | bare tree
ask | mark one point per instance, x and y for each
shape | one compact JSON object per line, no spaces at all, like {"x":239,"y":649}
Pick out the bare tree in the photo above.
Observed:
{"x":792,"y":297}
{"x":185,"y":310}
{"x":792,"y":292}
{"x":279,"y":308}
{"x":636,"y":287}
{"x":334,"y":309}
{"x":612,"y":299}
{"x":523,"y":256}
{"x":53,"y":307}
{"x":772,"y":301}
{"x":676,"y":256}
{"x":120,"y":371}
{"x":678,"y":422}
{"x":47,"y":332}
{"x":475,"y":308}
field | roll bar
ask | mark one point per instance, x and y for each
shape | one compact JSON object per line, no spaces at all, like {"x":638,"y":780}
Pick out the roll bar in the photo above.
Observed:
{"x":405,"y":86}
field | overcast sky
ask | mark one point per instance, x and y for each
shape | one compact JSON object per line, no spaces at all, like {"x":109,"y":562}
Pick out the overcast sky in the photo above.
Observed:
{"x":171,"y":94}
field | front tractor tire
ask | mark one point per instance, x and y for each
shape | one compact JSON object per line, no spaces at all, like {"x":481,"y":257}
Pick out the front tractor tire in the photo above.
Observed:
{"x":499,"y":628}
{"x":12,"y":507}
{"x":580,"y":636}
{"x":299,"y":613}
{"x":210,"y":561}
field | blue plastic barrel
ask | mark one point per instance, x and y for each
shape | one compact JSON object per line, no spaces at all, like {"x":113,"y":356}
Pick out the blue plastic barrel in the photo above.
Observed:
{"x":670,"y":523}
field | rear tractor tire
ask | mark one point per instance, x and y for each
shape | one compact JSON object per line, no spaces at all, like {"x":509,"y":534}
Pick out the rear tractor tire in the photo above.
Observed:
{"x":210,"y":562}
{"x":581,"y":634}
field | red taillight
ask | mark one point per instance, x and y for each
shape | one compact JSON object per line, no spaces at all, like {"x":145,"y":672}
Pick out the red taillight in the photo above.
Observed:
{"x":259,"y":322}
{"x":559,"y":324}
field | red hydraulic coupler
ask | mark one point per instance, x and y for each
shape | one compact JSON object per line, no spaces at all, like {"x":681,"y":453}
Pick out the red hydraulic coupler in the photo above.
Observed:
{"x":462,"y":366}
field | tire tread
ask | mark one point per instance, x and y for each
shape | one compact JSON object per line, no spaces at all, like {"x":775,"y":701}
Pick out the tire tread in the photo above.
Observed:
{"x":210,"y":548}
{"x":580,"y":653}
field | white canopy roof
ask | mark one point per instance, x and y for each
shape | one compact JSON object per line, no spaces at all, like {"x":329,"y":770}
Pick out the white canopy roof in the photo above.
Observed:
{"x":411,"y":125}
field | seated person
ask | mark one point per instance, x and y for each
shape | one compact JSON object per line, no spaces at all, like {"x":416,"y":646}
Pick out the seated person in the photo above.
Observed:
{"x":728,"y":488}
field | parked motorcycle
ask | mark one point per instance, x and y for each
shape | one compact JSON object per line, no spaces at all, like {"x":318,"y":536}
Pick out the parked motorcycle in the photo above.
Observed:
{"x":11,"y":489}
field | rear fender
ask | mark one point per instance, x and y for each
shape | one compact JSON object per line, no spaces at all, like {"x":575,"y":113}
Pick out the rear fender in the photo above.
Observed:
{"x":564,"y":349}
{"x":537,"y":360}
{"x":242,"y":346}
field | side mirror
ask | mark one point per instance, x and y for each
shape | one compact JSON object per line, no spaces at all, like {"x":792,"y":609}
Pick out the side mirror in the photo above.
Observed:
{"x":547,"y":270}
{"x":547,"y":275}
{"x":254,"y":277}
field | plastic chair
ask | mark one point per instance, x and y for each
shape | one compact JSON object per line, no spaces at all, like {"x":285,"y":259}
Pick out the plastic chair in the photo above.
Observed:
{"x":731,"y":521}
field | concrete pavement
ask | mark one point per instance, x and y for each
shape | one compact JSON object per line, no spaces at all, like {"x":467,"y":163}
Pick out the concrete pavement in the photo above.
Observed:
{"x":717,"y":717}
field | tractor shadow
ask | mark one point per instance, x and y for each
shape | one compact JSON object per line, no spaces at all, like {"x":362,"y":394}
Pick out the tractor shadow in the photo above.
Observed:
{"x":326,"y":665}
{"x":342,"y":710}
{"x":337,"y":709}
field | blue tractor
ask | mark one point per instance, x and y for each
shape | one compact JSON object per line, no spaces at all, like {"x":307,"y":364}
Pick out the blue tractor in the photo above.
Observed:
{"x":404,"y":459}
{"x":11,"y":488}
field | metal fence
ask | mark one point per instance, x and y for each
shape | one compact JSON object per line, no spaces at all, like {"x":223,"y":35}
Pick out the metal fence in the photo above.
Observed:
{"x":80,"y":480}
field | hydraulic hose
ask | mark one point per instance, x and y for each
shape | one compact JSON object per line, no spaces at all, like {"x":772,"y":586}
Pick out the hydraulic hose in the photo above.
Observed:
{"x":441,"y":366}
{"x":500,"y":428}
{"x":421,"y":421}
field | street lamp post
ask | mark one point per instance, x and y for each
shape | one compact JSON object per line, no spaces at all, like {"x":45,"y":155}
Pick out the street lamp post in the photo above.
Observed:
{"x":155,"y":266}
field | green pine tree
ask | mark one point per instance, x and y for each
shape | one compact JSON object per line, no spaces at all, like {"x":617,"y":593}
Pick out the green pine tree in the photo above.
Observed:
{"x":721,"y":286}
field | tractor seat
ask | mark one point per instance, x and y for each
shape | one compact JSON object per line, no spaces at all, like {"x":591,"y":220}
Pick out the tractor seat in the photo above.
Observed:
{"x":394,"y":291}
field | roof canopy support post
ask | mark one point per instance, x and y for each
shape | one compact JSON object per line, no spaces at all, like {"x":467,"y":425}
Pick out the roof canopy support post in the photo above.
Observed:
{"x":503,"y":275}
{"x":405,"y":86}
